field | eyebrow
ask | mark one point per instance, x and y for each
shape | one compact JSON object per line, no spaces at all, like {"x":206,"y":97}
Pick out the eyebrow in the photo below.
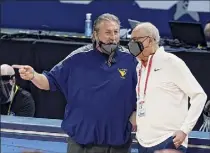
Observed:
{"x":112,"y":30}
{"x":134,"y":38}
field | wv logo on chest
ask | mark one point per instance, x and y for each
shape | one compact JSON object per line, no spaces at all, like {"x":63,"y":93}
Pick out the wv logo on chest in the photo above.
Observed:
{"x":123,"y":73}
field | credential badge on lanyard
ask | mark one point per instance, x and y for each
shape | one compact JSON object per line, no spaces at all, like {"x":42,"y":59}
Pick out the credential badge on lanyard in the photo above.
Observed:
{"x":141,"y":110}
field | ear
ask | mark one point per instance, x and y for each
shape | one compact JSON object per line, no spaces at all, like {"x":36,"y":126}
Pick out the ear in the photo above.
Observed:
{"x":95,"y":35}
{"x":151,"y":41}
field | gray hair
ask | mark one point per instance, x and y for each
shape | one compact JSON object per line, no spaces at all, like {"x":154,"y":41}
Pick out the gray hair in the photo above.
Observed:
{"x":7,"y":70}
{"x":150,"y":30}
{"x":105,"y":17}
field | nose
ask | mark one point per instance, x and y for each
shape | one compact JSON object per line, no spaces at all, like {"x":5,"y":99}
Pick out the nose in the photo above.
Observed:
{"x":112,"y":37}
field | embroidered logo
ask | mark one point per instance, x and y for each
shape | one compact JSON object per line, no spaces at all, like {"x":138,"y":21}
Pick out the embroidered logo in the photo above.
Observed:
{"x":123,"y":73}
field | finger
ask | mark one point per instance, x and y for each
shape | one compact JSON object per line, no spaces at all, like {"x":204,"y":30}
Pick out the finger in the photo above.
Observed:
{"x":15,"y":66}
{"x":22,"y":71}
{"x":134,"y":128}
{"x":177,"y":145}
{"x":176,"y":139}
{"x":24,"y":77}
{"x":28,"y":73}
{"x":26,"y":70}
{"x":27,"y":67}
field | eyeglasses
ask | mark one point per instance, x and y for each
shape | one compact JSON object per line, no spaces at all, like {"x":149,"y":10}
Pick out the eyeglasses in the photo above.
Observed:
{"x":138,"y":38}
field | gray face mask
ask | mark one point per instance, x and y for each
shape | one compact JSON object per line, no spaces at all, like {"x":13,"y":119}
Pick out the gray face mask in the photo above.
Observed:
{"x":135,"y":48}
{"x":108,"y":48}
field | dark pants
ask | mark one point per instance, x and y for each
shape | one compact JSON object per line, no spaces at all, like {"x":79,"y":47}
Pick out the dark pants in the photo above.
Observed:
{"x":74,"y":147}
{"x":167,"y":144}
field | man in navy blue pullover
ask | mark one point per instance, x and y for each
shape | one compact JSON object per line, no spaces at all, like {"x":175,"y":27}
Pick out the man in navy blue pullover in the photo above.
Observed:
{"x":98,"y":82}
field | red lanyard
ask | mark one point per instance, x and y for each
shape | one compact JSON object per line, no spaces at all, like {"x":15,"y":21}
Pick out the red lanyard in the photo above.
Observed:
{"x":147,"y":77}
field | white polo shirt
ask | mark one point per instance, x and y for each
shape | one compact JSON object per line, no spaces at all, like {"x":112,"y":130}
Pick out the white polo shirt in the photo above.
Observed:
{"x":166,"y":102}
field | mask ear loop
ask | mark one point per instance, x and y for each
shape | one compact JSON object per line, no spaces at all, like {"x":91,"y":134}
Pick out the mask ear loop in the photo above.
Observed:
{"x":142,"y":46}
{"x":99,"y":43}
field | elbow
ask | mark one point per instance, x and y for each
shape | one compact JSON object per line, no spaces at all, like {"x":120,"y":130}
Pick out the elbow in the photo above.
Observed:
{"x":45,"y":87}
{"x":199,"y":98}
{"x":204,"y":96}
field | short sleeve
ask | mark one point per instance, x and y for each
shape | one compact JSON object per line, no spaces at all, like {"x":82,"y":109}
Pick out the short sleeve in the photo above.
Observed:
{"x":59,"y":74}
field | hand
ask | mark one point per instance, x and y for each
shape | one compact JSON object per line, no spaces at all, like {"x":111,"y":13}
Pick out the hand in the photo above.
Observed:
{"x":179,"y":138}
{"x":26,"y":72}
{"x":167,"y":151}
{"x":133,"y":121}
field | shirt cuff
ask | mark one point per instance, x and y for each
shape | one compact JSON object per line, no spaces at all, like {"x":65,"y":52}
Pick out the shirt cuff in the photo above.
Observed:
{"x":50,"y":80}
{"x":185,"y":129}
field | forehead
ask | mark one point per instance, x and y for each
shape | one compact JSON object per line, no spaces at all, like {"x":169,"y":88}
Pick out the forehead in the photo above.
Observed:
{"x":138,"y":33}
{"x":108,"y":25}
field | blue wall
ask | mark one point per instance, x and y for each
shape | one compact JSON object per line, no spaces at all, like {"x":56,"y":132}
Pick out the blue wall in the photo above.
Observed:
{"x":70,"y":17}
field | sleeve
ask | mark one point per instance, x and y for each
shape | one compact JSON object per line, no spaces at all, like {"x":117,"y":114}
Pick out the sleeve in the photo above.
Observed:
{"x":58,"y":75}
{"x":27,"y":106}
{"x":134,"y":99}
{"x":185,"y":80}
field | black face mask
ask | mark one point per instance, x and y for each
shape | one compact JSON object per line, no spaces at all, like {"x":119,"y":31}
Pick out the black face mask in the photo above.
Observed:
{"x":5,"y":92}
{"x":135,"y":48}
{"x":5,"y":88}
{"x":108,"y":48}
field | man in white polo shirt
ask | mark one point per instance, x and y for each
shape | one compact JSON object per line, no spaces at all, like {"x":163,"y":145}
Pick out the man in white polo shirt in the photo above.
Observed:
{"x":164,"y":85}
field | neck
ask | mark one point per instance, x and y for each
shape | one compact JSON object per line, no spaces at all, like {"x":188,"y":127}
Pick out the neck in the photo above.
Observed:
{"x":144,"y":59}
{"x":98,"y":48}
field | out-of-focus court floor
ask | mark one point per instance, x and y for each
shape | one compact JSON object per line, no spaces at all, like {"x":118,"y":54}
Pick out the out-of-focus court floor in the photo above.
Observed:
{"x":20,"y":134}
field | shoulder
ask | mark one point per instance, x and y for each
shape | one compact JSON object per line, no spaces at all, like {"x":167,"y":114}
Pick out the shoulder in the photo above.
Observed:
{"x":125,"y":52}
{"x":77,"y":52}
{"x":23,"y":94}
{"x":24,"y":104}
{"x":81,"y":50}
{"x":174,"y":60}
{"x":122,"y":49}
{"x":171,"y":59}
{"x":174,"y":63}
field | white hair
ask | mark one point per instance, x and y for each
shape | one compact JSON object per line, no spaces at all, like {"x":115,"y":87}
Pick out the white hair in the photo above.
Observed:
{"x":150,"y":30}
{"x":7,"y":70}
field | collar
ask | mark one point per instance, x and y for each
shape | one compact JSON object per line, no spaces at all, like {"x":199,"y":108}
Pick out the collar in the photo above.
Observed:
{"x":159,"y":53}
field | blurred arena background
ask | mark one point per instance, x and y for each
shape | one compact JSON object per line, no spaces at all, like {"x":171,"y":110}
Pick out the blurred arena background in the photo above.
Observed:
{"x":42,"y":33}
